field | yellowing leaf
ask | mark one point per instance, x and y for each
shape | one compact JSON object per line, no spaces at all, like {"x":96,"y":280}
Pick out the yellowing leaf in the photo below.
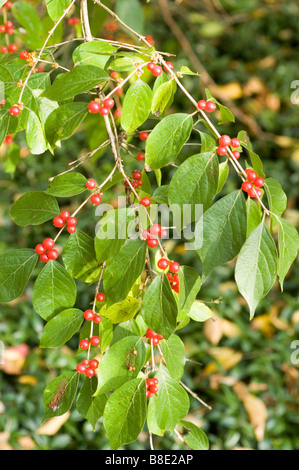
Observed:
{"x":27,"y":380}
{"x":52,"y":426}
{"x":233,"y":90}
{"x":212,"y":330}
{"x":257,"y":413}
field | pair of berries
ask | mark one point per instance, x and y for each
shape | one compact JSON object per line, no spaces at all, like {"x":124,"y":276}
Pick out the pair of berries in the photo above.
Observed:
{"x":65,"y":219}
{"x":163,"y":263}
{"x":72,"y":21}
{"x":7,"y":28}
{"x":8,"y":140}
{"x":94,"y":341}
{"x":95,"y":106}
{"x":11,"y":48}
{"x":96,"y":198}
{"x":150,"y":235}
{"x":208,"y":106}
{"x":152,"y":387}
{"x":156,"y":70}
{"x":87,"y":367}
{"x":224,"y":142}
{"x":154,"y":338}
{"x":253,"y":184}
{"x":46,"y":250}
{"x":89,"y":315}
{"x":174,"y":282}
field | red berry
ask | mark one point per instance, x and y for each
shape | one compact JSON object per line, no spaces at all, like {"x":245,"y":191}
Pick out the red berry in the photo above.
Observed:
{"x":259,"y":192}
{"x":224,"y":140}
{"x":58,"y":221}
{"x":150,"y":333}
{"x":201,"y":104}
{"x":236,"y":154}
{"x":174,"y":267}
{"x":8,"y":24}
{"x":118,"y":91}
{"x":210,"y":106}
{"x":12,"y":48}
{"x":153,"y":389}
{"x":176,"y":277}
{"x":176,"y":287}
{"x":149,"y":38}
{"x":155,"y":229}
{"x":3,"y":49}
{"x":145,"y":201}
{"x":76,"y":20}
{"x":143,"y":136}
{"x":91,"y":184}
{"x":169,"y":276}
{"x":252,"y":192}
{"x":104,"y":111}
{"x":163,"y":233}
{"x":72,"y":221}
{"x":94,"y":107}
{"x":89,"y":372}
{"x":100,"y":297}
{"x":156,"y":71}
{"x":8,"y":140}
{"x":114,"y":75}
{"x":96,"y":199}
{"x":259,"y":182}
{"x":81,"y":368}
{"x":2,"y":28}
{"x":84,"y":344}
{"x":160,"y":338}
{"x":118,"y":113}
{"x":71,"y":228}
{"x":251,"y":175}
{"x":140,"y":157}
{"x":150,"y":382}
{"x":95,"y":340}
{"x":235,"y":143}
{"x":170,"y":66}
{"x":53,"y":254}
{"x":10,"y":31}
{"x":44,"y":258}
{"x":137,"y":175}
{"x":15,"y":110}
{"x":94,"y":364}
{"x":222,"y":150}
{"x":89,"y":315}
{"x":48,"y":243}
{"x":85,"y":362}
{"x":24,"y":55}
{"x":150,"y":66}
{"x":156,"y":381}
{"x":108,"y":103}
{"x":246,"y":186}
{"x":8,"y":5}
{"x":163,"y":263}
{"x":155,"y":341}
{"x":146,"y":234}
{"x":64,"y":215}
{"x":97,"y":319}
{"x":152,"y":242}
{"x":40,"y":249}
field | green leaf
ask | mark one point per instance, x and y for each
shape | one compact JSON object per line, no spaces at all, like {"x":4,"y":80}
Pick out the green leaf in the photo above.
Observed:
{"x":223,"y":175}
{"x":224,"y":231}
{"x":225,"y":114}
{"x":197,"y":179}
{"x":172,"y":402}
{"x":173,"y":350}
{"x":63,"y":121}
{"x":159,"y":308}
{"x":94,"y":53}
{"x":90,"y":408}
{"x":16,"y":269}
{"x":167,"y":139}
{"x":56,"y":8}
{"x":196,"y":438}
{"x":62,"y":328}
{"x":34,"y":208}
{"x":256,"y":266}
{"x":151,"y":419}
{"x":59,"y":395}
{"x":35,"y":136}
{"x":79,"y":80}
{"x":200,"y":312}
{"x":190,"y":284}
{"x":67,"y":185}
{"x":54,"y":291}
{"x":12,"y":159}
{"x":162,"y":97}
{"x":122,"y":311}
{"x":125,"y":413}
{"x":208,"y":143}
{"x":27,"y":16}
{"x":288,"y":245}
{"x":131,"y":13}
{"x":79,"y":257}
{"x":277,"y":199}
{"x":105,"y":333}
{"x":256,"y":162}
{"x":123,"y":270}
{"x":186,"y":71}
{"x":254,"y":216}
{"x":113,"y":369}
{"x":136,"y":106}
{"x":112,"y":232}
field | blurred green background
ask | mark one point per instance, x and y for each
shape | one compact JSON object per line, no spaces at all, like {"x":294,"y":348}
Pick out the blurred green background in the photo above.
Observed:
{"x":247,"y":54}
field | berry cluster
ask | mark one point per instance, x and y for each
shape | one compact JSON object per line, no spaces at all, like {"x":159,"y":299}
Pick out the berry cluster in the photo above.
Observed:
{"x":172,"y":276}
{"x":93,"y":341}
{"x":224,"y":142}
{"x":208,"y":106}
{"x":72,"y":21}
{"x":253,"y":184}
{"x":150,"y":235}
{"x":136,"y":180}
{"x":153,"y":337}
{"x":87,"y":367}
{"x":152,"y":387}
{"x":96,"y":198}
{"x":90,"y":315}
{"x":156,"y":70}
{"x":46,"y":250}
{"x":95,"y":106}
{"x":65,"y":219}
{"x":174,"y":282}
{"x":7,"y":28}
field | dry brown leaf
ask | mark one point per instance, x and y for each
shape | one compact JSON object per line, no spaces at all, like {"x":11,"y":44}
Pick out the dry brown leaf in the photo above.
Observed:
{"x":52,"y":426}
{"x":233,"y":90}
{"x":218,"y":379}
{"x":26,"y":442}
{"x":295,"y":317}
{"x":226,"y":357}
{"x":212,"y":330}
{"x":263,"y":323}
{"x":13,"y":361}
{"x":255,"y":86}
{"x":225,"y":286}
{"x":257,"y":413}
{"x":4,"y":438}
{"x":27,"y":380}
{"x":229,"y":329}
